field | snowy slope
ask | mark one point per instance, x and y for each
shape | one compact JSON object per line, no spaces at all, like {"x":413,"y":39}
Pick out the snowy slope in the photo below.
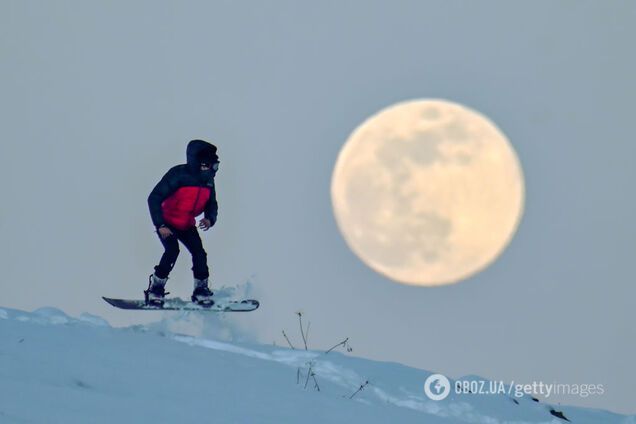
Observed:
{"x":58,"y":369}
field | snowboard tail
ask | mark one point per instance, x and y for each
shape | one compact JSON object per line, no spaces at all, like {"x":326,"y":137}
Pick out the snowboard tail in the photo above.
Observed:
{"x":177,"y":304}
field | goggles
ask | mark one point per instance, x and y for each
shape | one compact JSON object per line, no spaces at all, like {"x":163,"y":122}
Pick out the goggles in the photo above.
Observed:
{"x":214,"y":166}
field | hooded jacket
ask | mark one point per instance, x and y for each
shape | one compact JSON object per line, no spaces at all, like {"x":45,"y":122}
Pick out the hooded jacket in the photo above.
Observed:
{"x":185,"y":191}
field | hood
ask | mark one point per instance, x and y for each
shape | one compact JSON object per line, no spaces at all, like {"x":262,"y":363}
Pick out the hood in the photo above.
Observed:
{"x":198,"y":150}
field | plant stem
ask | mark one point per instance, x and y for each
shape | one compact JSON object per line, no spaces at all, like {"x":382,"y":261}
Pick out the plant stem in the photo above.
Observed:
{"x":359,"y":389}
{"x":302,"y":333}
{"x":341,"y":343}
{"x":286,"y":338}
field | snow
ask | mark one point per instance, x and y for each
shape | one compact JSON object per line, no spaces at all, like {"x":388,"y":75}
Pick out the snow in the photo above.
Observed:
{"x":58,"y":369}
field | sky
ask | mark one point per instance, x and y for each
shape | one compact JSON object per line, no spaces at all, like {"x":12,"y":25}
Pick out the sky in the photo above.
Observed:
{"x":99,"y":99}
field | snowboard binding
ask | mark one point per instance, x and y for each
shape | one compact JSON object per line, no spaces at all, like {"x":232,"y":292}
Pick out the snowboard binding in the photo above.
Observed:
{"x":155,"y":294}
{"x":202,"y":296}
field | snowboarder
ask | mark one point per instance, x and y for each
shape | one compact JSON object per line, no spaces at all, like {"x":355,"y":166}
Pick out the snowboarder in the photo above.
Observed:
{"x":184,"y":192}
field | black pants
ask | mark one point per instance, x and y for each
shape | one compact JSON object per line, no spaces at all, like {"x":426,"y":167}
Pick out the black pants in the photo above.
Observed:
{"x":192,"y":241}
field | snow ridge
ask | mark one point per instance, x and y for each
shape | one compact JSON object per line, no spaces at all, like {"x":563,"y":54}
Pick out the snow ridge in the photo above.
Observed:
{"x":83,"y":370}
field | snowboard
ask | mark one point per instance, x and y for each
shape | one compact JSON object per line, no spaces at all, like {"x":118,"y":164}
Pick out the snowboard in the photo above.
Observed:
{"x":177,"y":304}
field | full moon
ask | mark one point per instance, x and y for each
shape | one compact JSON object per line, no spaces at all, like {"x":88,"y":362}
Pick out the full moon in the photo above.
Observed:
{"x":427,"y":192}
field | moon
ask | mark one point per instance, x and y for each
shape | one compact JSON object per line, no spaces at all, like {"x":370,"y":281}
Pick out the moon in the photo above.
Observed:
{"x":427,"y":192}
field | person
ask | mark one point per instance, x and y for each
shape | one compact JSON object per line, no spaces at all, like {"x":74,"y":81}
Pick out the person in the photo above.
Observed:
{"x":184,"y":192}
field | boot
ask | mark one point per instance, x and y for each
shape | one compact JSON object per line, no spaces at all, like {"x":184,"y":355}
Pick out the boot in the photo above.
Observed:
{"x":156,"y":293}
{"x":202,"y":294}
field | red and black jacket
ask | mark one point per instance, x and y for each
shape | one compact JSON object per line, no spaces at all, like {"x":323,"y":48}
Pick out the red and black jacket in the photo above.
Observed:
{"x":185,"y":192}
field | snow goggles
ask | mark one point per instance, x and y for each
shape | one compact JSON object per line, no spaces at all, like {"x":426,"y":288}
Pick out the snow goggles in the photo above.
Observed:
{"x":214,"y":166}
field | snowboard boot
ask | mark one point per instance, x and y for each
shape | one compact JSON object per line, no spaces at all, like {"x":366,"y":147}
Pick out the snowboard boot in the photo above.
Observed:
{"x":155,"y":295}
{"x":202,"y":294}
